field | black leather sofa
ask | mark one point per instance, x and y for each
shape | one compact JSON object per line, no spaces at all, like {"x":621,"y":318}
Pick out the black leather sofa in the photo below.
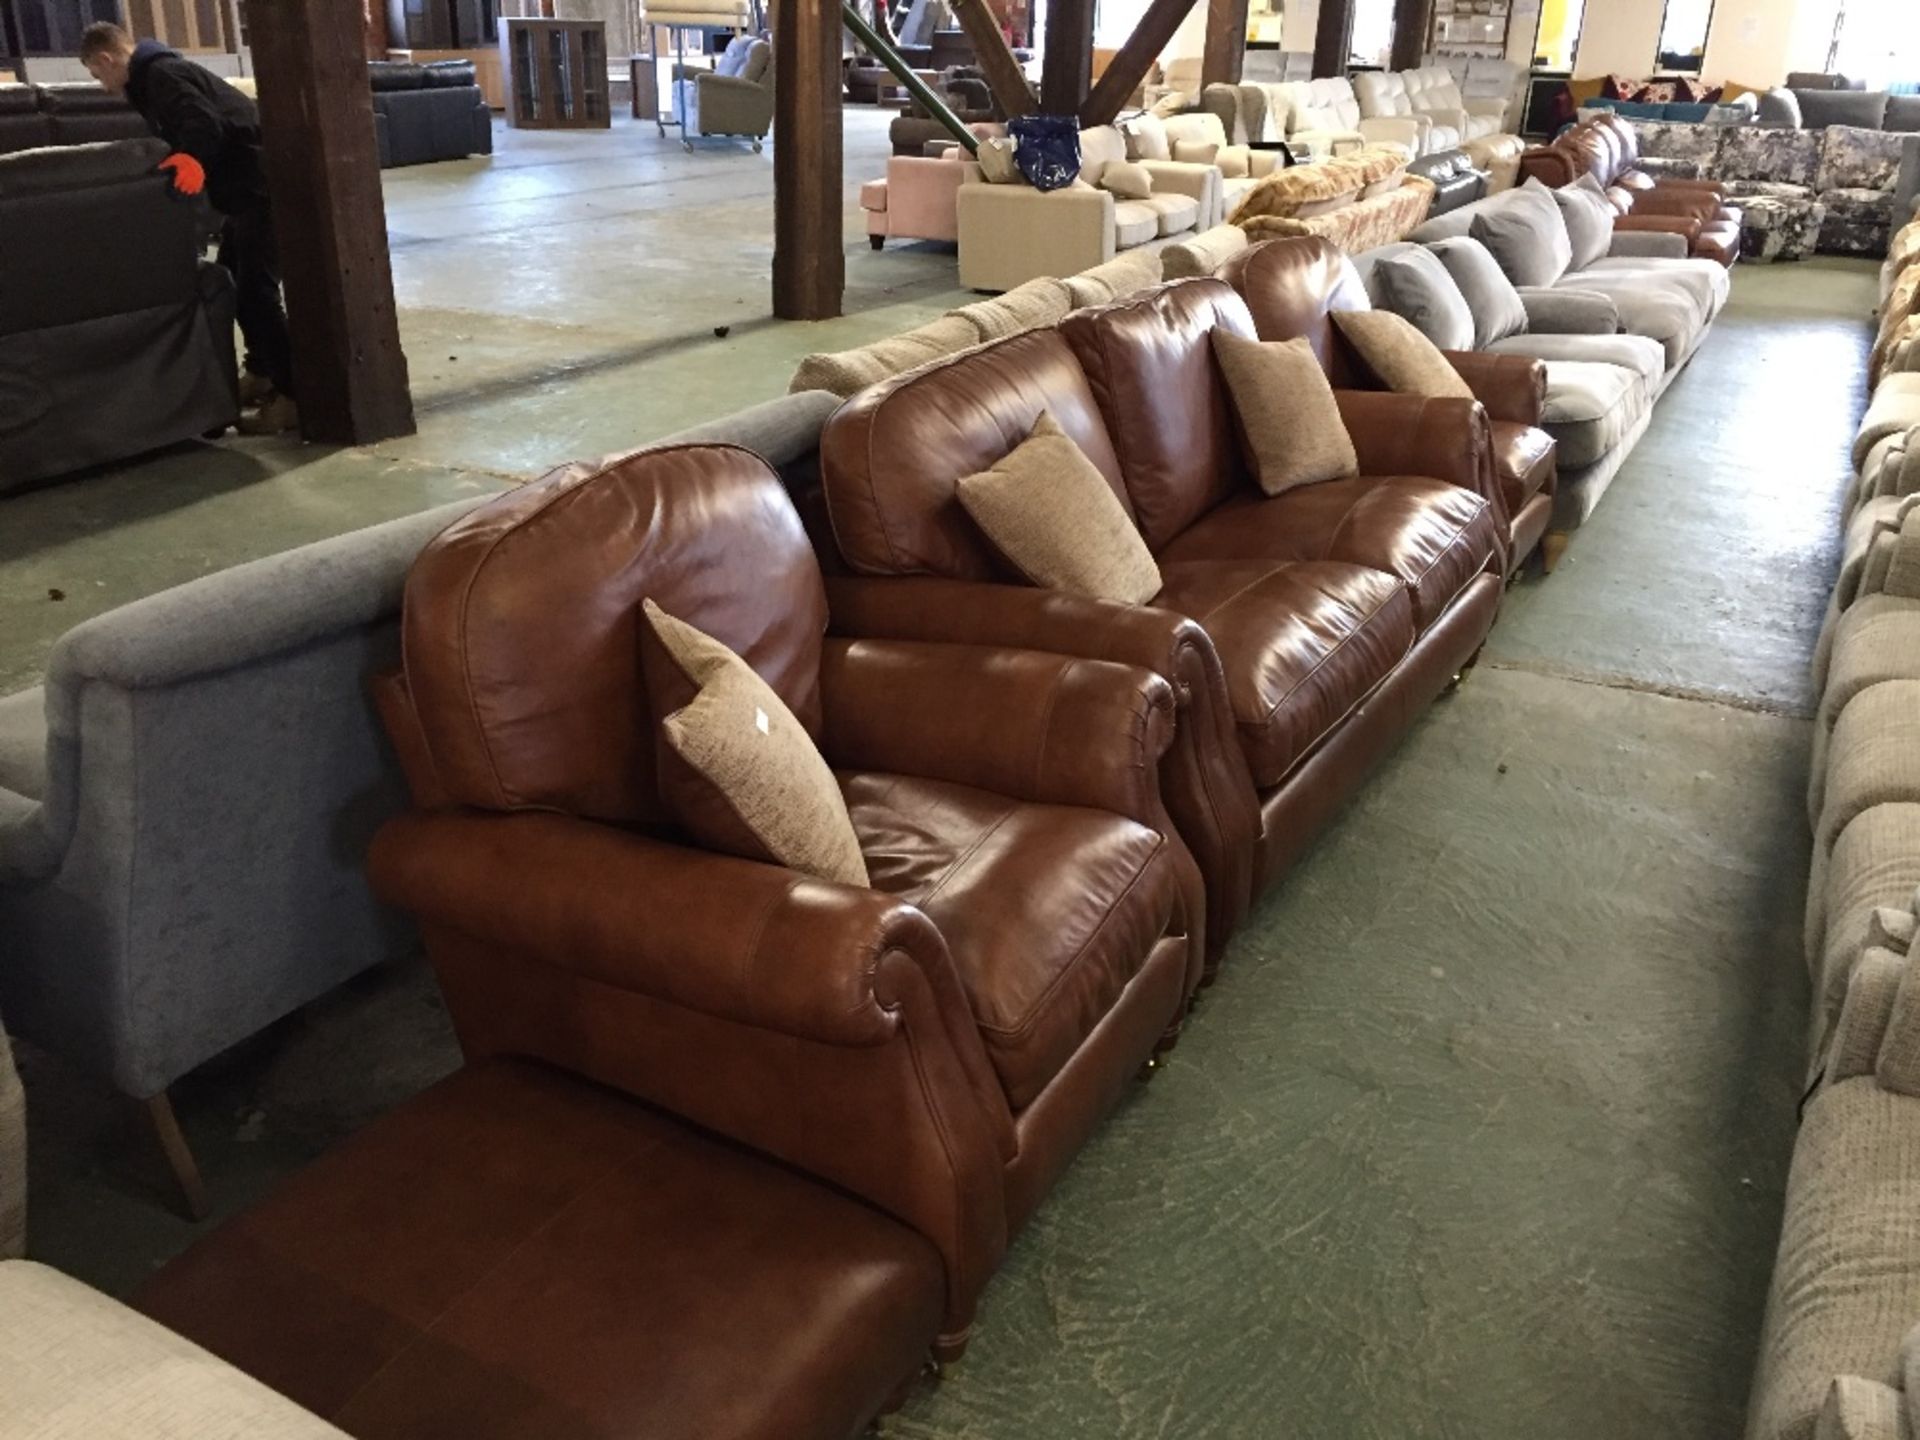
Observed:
{"x":423,"y":113}
{"x":115,"y":336}
{"x":35,"y":116}
{"x":1455,"y":181}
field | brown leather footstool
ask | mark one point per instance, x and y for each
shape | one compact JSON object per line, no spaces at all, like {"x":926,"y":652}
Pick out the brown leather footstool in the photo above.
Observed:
{"x":518,"y":1254}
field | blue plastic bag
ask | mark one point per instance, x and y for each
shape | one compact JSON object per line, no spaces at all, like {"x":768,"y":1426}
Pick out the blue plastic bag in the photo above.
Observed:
{"x":1046,"y":148}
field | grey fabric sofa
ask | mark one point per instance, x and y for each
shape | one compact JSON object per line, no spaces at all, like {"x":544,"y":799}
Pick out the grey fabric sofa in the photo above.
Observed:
{"x":185,"y":803}
{"x":1659,"y":293}
{"x":115,"y":336}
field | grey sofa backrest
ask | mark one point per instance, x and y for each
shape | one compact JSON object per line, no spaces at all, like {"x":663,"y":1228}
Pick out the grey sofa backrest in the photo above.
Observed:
{"x":1821,"y":108}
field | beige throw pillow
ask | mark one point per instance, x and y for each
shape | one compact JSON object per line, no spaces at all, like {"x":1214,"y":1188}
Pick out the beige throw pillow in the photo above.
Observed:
{"x":1406,"y":361}
{"x":1195,"y":152}
{"x":995,"y":158}
{"x":1290,"y":425}
{"x":737,"y":768}
{"x":1126,"y":180}
{"x":1050,"y":511}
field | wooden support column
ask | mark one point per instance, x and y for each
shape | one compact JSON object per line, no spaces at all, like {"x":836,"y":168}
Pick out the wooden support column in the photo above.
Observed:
{"x":1136,"y":57}
{"x":1411,"y":21}
{"x":316,"y":119}
{"x":1067,"y":72}
{"x":990,"y":48}
{"x":1226,"y":48}
{"x":1333,"y":41}
{"x":809,"y":258}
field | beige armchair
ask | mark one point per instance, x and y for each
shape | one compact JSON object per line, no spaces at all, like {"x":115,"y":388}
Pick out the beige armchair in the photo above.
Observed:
{"x":1240,"y":166}
{"x":1010,"y":234}
{"x":735,"y":98}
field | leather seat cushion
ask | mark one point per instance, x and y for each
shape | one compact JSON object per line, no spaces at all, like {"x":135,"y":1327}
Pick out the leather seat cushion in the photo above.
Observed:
{"x":1048,"y":910}
{"x":1432,"y":536}
{"x":1719,"y":243}
{"x":1302,"y":643}
{"x":515,"y":1252}
{"x":1591,"y":408}
{"x":1135,"y":222}
{"x":1523,"y":458}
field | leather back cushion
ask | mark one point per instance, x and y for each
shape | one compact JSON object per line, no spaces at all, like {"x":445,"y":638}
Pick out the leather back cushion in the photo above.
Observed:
{"x":890,"y":457}
{"x":521,"y":627}
{"x":1291,"y":287}
{"x":1150,"y":362}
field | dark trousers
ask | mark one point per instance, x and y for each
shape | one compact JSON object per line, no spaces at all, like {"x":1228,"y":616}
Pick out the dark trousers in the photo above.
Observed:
{"x":248,"y":251}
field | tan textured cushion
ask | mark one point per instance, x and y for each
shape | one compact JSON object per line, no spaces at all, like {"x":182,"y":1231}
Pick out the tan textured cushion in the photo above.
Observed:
{"x":1406,"y":361}
{"x":1290,"y":427}
{"x":1846,"y":1287}
{"x":737,"y":768}
{"x":1023,"y":308}
{"x":1858,"y":1409}
{"x":79,"y":1366}
{"x":1050,"y":511}
{"x":995,"y":158}
{"x":1127,"y":180}
{"x":848,"y":372}
{"x":1115,"y":279}
{"x":1195,"y":152}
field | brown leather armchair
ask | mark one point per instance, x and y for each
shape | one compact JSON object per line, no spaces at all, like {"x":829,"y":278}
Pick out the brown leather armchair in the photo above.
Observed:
{"x":1292,"y":288}
{"x":940,"y":1044}
{"x":1303,"y":633}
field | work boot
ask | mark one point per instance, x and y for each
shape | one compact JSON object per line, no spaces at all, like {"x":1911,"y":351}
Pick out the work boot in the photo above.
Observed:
{"x":254,"y":390}
{"x":277,"y":416}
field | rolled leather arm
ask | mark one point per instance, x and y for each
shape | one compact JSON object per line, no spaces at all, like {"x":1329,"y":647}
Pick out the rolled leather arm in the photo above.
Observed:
{"x":1699,"y":205}
{"x":589,"y":898}
{"x":1049,"y":729}
{"x":1206,"y":785}
{"x":1556,"y":311}
{"x":1687,"y":227}
{"x":1512,"y":387}
{"x":1412,"y":435}
{"x":819,"y":1023}
{"x":1549,"y":166}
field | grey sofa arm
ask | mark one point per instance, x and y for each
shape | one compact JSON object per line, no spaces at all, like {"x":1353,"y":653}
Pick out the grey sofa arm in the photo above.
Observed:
{"x":1569,"y":312}
{"x":1647,"y":245}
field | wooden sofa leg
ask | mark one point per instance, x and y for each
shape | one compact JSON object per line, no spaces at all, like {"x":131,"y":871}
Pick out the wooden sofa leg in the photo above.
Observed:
{"x":178,"y":1154}
{"x":1552,"y":546}
{"x":877,"y":241}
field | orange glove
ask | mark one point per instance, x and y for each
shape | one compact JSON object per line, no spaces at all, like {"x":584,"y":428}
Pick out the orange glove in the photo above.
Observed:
{"x":189,"y":178}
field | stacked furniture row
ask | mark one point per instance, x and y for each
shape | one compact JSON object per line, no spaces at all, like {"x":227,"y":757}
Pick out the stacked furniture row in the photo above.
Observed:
{"x":424,"y":113}
{"x":1840,"y":1352}
{"x":912,"y":1020}
{"x":33,"y":117}
{"x":1605,"y":150}
{"x":1838,"y":190}
{"x":116,"y":337}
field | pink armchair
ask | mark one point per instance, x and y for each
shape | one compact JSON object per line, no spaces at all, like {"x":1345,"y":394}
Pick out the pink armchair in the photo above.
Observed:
{"x":917,"y":199}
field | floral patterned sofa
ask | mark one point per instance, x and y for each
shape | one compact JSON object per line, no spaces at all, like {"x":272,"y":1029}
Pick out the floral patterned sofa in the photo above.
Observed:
{"x":1837,"y":190}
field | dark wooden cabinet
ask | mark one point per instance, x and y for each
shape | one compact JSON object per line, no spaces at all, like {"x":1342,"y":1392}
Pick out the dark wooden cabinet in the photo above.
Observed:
{"x":556,"y":73}
{"x":442,"y":24}
{"x":52,"y":27}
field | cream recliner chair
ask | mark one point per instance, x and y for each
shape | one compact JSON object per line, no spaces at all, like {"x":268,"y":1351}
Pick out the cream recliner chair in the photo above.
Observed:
{"x":1431,"y":95}
{"x":1318,"y":118}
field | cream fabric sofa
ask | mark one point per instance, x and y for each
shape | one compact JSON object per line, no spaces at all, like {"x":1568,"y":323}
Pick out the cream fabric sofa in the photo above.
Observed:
{"x":1010,"y":234}
{"x":1432,"y":95}
{"x":1317,"y":118}
{"x":79,"y":1366}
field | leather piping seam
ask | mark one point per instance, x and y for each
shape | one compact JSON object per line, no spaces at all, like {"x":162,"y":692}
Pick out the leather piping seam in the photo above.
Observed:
{"x":1033,"y":1011}
{"x":972,"y":850}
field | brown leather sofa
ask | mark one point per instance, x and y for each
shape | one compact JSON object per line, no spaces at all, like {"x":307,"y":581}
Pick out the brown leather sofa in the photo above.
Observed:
{"x":1292,"y":288}
{"x":939,"y":1045}
{"x":1303,"y":633}
{"x":1607,"y":148}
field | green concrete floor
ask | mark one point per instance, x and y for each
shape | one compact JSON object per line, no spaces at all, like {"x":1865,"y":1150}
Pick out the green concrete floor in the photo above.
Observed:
{"x":1483,"y":1130}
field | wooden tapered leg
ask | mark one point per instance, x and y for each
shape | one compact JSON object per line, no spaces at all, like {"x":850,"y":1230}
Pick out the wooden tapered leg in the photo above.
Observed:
{"x":178,"y":1155}
{"x":1552,"y":546}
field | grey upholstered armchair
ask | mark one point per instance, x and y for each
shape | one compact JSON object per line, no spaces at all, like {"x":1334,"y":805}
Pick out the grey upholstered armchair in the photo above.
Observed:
{"x":734,"y":98}
{"x":183,"y":811}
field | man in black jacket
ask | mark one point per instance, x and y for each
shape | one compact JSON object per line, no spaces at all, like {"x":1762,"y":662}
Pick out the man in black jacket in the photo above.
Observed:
{"x":214,"y":132}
